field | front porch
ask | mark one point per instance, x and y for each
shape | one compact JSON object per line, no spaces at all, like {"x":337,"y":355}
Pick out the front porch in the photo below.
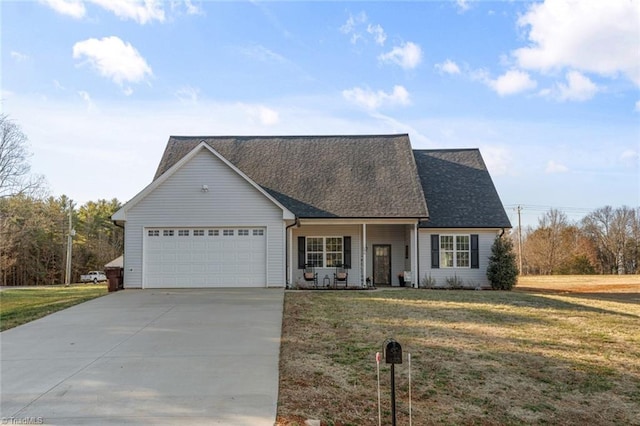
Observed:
{"x":375,"y":253}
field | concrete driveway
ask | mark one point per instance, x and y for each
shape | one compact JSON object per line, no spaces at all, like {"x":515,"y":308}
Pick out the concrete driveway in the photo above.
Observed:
{"x":147,"y":357}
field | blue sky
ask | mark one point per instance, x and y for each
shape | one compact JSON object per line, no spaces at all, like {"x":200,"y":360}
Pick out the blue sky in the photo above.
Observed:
{"x":549,"y":91}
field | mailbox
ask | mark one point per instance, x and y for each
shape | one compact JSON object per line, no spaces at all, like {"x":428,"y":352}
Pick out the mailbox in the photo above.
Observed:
{"x":392,"y":352}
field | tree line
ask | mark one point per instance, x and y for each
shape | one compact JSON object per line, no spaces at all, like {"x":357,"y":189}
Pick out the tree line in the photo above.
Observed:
{"x":34,"y":226}
{"x":34,"y":236}
{"x":605,"y":241}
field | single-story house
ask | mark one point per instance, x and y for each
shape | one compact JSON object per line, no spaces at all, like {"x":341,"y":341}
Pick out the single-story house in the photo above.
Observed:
{"x":252,"y":211}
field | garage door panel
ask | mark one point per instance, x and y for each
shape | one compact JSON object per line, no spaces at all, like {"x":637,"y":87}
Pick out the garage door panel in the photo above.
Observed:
{"x":210,"y":257}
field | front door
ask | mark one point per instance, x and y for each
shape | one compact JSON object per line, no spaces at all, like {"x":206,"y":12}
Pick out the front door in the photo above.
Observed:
{"x":382,"y":264}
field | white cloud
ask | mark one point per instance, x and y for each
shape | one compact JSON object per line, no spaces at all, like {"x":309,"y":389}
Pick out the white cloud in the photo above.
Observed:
{"x":408,"y":55}
{"x":19,"y":57}
{"x":448,"y":67}
{"x":114,"y":59}
{"x":578,"y":88}
{"x":190,"y":8}
{"x":262,"y":53}
{"x":511,"y":82}
{"x":463,"y":5}
{"x":630,"y":157}
{"x":358,"y":27}
{"x":72,"y":8}
{"x":369,"y":99}
{"x":188,"y":94}
{"x":262,"y":114}
{"x":139,"y":11}
{"x":87,"y":99}
{"x":351,"y":26}
{"x":498,"y":159}
{"x":554,"y":167}
{"x":378,"y":33}
{"x":600,"y":37}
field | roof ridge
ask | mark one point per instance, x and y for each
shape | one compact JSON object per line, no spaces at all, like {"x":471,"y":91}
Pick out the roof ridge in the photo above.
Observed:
{"x":353,"y":136}
{"x":446,"y":149}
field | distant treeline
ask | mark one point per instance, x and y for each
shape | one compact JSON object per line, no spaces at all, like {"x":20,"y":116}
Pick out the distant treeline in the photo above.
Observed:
{"x":33,"y":239}
{"x":605,"y":241}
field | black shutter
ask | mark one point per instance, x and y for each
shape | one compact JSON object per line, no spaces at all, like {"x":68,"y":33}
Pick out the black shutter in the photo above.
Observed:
{"x":475,"y":256}
{"x":302,"y":252}
{"x":346,"y":241}
{"x":435,"y":251}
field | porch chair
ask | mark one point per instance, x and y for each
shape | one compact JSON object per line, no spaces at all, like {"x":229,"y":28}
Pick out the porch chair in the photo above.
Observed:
{"x":341,"y":275}
{"x":310,"y":275}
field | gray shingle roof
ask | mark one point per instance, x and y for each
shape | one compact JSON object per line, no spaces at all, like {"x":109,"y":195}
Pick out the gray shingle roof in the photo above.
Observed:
{"x":459,"y":190}
{"x":362,"y":176}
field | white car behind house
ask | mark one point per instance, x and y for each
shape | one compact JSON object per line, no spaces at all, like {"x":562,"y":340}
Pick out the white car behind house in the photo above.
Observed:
{"x":93,"y":277}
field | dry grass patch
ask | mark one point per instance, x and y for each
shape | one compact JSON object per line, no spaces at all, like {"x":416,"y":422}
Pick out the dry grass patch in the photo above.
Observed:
{"x":478,"y":357}
{"x":624,"y":284}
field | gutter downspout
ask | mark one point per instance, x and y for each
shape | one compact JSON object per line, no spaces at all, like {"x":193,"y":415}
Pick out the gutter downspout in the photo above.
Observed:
{"x":295,"y":223}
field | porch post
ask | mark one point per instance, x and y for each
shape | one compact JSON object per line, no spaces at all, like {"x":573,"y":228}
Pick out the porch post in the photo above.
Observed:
{"x":414,"y":256}
{"x":290,"y":256}
{"x":363,"y":273}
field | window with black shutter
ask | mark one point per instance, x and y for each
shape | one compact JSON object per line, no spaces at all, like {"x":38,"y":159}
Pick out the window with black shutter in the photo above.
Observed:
{"x":475,"y":252}
{"x":435,"y":251}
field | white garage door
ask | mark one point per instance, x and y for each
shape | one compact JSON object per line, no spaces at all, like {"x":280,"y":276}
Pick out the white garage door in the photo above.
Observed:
{"x":204,"y":257}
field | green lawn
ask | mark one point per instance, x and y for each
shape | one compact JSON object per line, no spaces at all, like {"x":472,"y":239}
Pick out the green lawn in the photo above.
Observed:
{"x":19,"y":306}
{"x":478,"y":357}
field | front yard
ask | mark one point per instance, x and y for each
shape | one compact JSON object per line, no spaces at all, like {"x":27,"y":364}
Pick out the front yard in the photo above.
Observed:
{"x":21,"y":305}
{"x":539,"y":356}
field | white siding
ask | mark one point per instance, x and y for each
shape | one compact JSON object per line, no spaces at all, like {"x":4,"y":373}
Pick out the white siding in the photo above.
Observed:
{"x":353,"y":231}
{"x":472,"y":277}
{"x":230,"y":202}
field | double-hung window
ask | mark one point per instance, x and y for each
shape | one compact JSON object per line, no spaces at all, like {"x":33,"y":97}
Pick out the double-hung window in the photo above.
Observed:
{"x":455,"y":251}
{"x":324,"y":252}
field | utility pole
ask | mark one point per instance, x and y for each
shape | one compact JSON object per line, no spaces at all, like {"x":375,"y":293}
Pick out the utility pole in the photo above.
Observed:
{"x":519,"y":208}
{"x":71,"y":232}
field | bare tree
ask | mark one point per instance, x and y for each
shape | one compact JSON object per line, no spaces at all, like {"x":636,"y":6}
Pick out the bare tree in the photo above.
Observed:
{"x":612,"y":231}
{"x":15,"y":176}
{"x":545,"y":246}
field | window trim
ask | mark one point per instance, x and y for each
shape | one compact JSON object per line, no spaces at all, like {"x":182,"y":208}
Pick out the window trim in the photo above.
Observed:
{"x":454,"y":251}
{"x":324,"y":251}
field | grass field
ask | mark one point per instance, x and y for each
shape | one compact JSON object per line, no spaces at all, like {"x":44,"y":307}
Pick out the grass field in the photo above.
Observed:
{"x":19,"y":306}
{"x":558,"y":350}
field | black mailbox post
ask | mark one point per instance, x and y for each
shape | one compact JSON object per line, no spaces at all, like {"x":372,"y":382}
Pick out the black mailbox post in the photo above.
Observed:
{"x":392,"y":355}
{"x":392,"y":352}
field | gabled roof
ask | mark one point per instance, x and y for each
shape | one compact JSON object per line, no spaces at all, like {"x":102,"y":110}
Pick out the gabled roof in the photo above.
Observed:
{"x":459,"y":190}
{"x":363,"y":176}
{"x":121,"y":214}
